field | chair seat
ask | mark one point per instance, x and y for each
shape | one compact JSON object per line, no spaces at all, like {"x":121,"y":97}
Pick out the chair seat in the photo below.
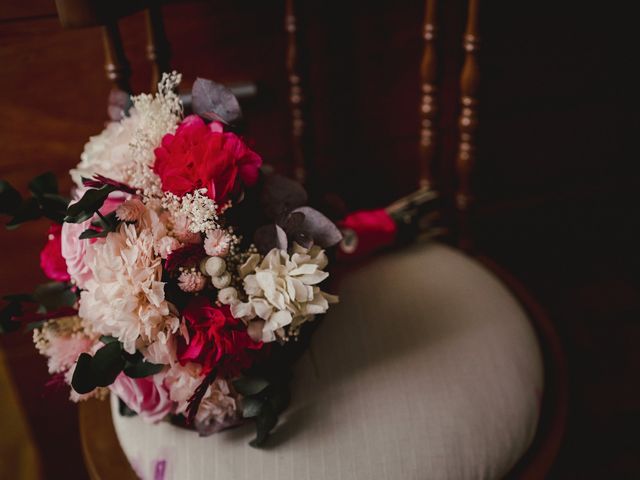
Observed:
{"x":428,"y":368}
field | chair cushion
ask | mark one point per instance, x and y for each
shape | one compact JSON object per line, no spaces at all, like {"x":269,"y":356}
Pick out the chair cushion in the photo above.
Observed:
{"x":428,"y":368}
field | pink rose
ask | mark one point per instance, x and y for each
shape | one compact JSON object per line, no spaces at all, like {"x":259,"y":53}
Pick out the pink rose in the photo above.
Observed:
{"x":146,"y":396}
{"x":74,"y":250}
{"x":203,"y":156}
{"x":51,"y":259}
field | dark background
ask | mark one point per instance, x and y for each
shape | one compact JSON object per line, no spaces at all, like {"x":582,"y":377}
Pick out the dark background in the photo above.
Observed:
{"x":556,"y":180}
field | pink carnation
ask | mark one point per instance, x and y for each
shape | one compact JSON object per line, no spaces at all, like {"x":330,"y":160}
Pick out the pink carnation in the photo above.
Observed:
{"x":51,"y":259}
{"x":146,"y":396}
{"x":202,"y":156}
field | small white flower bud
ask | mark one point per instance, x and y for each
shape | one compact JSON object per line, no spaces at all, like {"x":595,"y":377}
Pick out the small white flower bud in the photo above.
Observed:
{"x":215,"y":266}
{"x":221,"y":281}
{"x":228,"y":296}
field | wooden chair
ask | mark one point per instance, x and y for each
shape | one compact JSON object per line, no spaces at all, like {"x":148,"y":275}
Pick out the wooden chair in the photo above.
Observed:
{"x":103,"y":454}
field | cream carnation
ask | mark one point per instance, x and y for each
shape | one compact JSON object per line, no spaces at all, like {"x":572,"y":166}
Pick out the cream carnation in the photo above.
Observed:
{"x":125,"y":297}
{"x":283,"y":290}
{"x":108,"y":153}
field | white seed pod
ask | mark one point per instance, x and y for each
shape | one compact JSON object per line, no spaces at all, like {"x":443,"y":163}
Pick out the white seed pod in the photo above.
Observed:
{"x":215,"y":266}
{"x":221,"y":281}
{"x":228,"y":296}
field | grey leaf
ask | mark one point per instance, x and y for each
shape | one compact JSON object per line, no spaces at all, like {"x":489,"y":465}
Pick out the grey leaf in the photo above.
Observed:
{"x":214,"y":101}
{"x":316,"y":227}
{"x":269,"y":237}
{"x":280,"y":195}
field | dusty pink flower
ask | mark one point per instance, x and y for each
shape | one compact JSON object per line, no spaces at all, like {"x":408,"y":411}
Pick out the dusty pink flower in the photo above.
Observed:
{"x":63,"y":351}
{"x":166,"y":245}
{"x":131,"y":210}
{"x":181,"y":230}
{"x":217,"y":243}
{"x":191,"y":281}
{"x":74,"y":250}
{"x":146,"y":396}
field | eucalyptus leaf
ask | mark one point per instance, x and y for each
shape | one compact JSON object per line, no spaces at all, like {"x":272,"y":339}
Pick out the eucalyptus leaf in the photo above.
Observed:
{"x":250,"y":385}
{"x":266,"y":420}
{"x":27,"y":211}
{"x":83,"y":380}
{"x":317,"y":227}
{"x":10,"y":199}
{"x":108,"y":339}
{"x":280,"y":195}
{"x":44,"y":184}
{"x":251,"y":407}
{"x":215,"y":102}
{"x":268,"y":237}
{"x":54,"y":295}
{"x":91,"y":233}
{"x":89,"y":204}
{"x":107,"y":364}
{"x":142,"y":369}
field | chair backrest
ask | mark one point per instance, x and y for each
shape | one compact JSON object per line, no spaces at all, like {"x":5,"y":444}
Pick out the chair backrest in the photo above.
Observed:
{"x":106,"y":13}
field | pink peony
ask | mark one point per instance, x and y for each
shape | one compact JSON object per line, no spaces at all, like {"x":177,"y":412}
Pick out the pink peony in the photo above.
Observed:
{"x":74,"y":250}
{"x":202,"y":156}
{"x":51,"y":259}
{"x":146,"y":396}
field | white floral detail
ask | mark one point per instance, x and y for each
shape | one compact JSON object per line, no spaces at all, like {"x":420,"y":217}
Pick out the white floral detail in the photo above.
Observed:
{"x":125,"y":297}
{"x":283,"y":291}
{"x":198,"y":210}
{"x":159,"y":115}
{"x":124,"y":150}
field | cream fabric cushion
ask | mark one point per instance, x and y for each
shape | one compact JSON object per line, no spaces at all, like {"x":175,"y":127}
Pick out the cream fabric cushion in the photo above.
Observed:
{"x":427,"y":369}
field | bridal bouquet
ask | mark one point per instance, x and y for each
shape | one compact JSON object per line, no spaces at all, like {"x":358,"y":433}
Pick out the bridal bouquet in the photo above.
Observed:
{"x":184,"y":278}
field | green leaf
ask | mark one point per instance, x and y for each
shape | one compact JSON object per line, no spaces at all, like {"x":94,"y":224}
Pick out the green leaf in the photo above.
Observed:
{"x":44,"y":184}
{"x":10,"y":199}
{"x":83,"y":380}
{"x":29,"y":210}
{"x":33,"y":325}
{"x":53,"y":206}
{"x":251,"y":407}
{"x":265,"y":422}
{"x":7,"y":324}
{"x":89,"y":204}
{"x":142,"y":369}
{"x":108,"y":339}
{"x":250,"y":385}
{"x":90,"y":233}
{"x":54,"y":295}
{"x":107,"y":364}
{"x":19,"y":297}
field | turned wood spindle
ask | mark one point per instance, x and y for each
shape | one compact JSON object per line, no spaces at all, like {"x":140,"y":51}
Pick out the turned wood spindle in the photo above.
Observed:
{"x":116,"y":64}
{"x":428,"y":105}
{"x":468,"y":121}
{"x":158,"y":49}
{"x":296,"y":96}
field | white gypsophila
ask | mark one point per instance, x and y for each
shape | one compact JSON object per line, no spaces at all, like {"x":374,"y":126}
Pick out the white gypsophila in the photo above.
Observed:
{"x":124,"y":150}
{"x":125,"y":297}
{"x":158,"y":115}
{"x":199,"y":211}
{"x":108,"y":153}
{"x":283,"y":290}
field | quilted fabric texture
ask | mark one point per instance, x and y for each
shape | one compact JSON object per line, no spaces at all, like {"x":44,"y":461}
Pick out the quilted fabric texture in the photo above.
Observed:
{"x":428,"y":368}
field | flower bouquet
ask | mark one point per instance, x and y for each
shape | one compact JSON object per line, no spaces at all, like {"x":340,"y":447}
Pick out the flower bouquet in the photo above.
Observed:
{"x":185,"y":279}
